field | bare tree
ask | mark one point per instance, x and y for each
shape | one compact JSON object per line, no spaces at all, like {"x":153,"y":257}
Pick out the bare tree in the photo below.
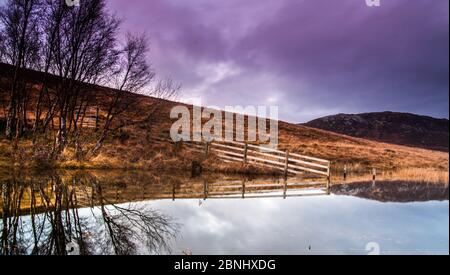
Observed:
{"x":131,"y":75}
{"x":2,"y":48}
{"x":165,"y":88}
{"x":75,"y":48}
{"x":18,"y":19}
{"x":82,"y":51}
{"x":51,"y":19}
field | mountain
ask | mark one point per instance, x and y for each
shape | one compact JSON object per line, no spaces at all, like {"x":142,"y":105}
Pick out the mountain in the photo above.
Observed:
{"x":390,"y":127}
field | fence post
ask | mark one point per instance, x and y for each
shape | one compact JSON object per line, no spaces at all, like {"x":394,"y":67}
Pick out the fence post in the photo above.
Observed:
{"x":329,"y":176}
{"x":245,"y":153}
{"x":345,"y":172}
{"x":207,"y":144}
{"x":286,"y":164}
{"x":205,"y":190}
{"x":175,"y":147}
{"x":173,"y":192}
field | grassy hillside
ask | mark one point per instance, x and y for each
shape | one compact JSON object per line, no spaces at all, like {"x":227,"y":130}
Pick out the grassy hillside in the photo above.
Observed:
{"x":391,"y":127}
{"x":143,"y":142}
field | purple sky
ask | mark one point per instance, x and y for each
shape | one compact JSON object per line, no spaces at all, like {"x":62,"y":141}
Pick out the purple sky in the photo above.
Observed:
{"x":311,"y":58}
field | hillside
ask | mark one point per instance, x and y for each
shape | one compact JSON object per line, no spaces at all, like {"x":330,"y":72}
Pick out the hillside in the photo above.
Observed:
{"x":397,"y":128}
{"x":143,"y":141}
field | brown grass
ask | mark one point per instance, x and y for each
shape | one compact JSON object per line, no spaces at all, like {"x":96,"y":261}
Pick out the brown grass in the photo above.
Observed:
{"x":146,"y":146}
{"x":425,"y":175}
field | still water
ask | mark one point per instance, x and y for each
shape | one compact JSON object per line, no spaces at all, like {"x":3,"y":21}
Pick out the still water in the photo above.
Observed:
{"x":93,"y":212}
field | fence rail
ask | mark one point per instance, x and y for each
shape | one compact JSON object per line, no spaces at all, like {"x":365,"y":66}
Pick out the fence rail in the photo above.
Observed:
{"x":289,"y":163}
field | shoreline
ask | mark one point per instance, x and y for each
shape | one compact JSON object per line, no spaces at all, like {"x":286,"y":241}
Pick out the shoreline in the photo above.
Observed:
{"x":418,"y":175}
{"x":166,"y":158}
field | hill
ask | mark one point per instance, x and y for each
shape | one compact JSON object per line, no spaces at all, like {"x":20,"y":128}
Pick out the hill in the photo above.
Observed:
{"x":142,"y":141}
{"x":397,"y":128}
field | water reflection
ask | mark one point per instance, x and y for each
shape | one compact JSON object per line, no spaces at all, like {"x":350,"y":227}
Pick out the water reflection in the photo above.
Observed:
{"x":394,"y":191}
{"x":117,"y":212}
{"x":41,"y":216}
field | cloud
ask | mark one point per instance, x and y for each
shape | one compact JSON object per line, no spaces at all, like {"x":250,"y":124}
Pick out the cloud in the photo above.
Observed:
{"x":311,"y":57}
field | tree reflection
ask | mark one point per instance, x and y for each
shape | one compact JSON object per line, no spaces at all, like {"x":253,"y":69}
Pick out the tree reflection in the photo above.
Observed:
{"x":42,"y":216}
{"x":127,"y":226}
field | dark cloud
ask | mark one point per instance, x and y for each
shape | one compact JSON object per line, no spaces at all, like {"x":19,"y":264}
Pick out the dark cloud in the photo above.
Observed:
{"x":310,"y":57}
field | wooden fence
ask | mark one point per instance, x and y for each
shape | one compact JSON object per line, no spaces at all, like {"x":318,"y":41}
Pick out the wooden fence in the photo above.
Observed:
{"x":91,"y":119}
{"x":289,"y":163}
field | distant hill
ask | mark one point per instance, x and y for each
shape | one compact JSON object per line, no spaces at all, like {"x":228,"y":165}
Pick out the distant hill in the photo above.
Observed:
{"x":397,"y":128}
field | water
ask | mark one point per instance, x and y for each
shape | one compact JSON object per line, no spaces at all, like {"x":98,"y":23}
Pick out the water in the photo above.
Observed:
{"x":75,"y":212}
